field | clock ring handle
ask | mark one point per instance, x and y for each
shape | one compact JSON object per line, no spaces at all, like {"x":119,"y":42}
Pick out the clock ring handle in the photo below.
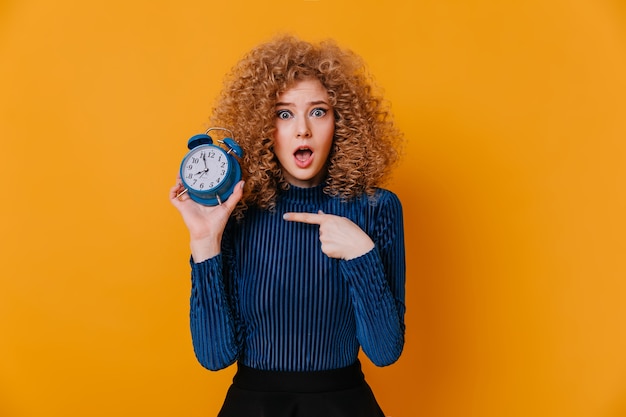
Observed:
{"x":220,"y":128}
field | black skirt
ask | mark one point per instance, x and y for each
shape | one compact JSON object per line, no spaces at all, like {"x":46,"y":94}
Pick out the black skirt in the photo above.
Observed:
{"x":335,"y":393}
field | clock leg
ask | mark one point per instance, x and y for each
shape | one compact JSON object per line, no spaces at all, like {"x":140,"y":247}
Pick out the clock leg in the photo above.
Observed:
{"x":181,"y":194}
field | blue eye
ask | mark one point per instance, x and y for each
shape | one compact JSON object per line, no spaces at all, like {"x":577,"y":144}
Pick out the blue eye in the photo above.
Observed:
{"x":318,"y":112}
{"x":283,"y":114}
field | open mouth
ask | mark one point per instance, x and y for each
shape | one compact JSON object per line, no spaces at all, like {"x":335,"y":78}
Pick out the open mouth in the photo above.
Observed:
{"x":303,"y":154}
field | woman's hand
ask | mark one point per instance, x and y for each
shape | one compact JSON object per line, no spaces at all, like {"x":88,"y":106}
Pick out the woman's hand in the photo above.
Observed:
{"x":340,"y":237}
{"x":205,"y":224}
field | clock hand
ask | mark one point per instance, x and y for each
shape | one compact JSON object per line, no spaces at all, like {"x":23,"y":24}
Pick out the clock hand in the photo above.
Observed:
{"x":204,"y":171}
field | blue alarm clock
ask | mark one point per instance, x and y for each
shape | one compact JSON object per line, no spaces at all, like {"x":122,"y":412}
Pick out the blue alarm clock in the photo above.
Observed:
{"x":209,"y":171}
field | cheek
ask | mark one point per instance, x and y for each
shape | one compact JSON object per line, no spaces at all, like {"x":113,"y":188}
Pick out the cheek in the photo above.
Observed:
{"x":329,"y":136}
{"x":280,"y":151}
{"x":278,"y":138}
{"x":324,"y":129}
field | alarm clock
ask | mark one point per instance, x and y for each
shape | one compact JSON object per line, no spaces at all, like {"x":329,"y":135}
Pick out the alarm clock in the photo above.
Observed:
{"x":209,"y":172}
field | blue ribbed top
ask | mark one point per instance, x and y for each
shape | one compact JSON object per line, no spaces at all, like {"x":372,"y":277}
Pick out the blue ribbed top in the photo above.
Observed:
{"x":274,"y":301}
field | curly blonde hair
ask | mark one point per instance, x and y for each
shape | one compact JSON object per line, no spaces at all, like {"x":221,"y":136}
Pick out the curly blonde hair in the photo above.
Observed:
{"x":366,"y":142}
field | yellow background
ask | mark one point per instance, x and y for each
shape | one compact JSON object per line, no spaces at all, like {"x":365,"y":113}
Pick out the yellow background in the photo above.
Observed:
{"x":512,"y":183}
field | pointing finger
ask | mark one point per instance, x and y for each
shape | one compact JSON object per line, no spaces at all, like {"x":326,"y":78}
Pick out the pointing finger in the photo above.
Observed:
{"x":310,"y":218}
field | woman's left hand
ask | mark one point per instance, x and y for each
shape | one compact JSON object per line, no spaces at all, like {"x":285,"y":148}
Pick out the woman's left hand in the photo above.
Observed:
{"x":340,"y":237}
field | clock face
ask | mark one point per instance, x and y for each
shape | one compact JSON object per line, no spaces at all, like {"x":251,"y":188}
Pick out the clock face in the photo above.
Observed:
{"x":205,"y":168}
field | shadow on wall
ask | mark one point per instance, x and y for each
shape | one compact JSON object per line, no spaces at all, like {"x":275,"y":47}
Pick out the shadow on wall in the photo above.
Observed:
{"x":435,"y":361}
{"x":468,"y":235}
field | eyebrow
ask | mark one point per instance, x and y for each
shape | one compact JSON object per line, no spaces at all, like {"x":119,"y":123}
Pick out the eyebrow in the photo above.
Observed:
{"x":310,"y":103}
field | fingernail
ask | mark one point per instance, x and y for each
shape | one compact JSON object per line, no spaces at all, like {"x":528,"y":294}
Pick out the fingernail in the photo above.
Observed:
{"x":285,"y":216}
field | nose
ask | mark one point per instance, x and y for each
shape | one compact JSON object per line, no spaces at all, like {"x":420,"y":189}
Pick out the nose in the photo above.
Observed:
{"x":303,"y":130}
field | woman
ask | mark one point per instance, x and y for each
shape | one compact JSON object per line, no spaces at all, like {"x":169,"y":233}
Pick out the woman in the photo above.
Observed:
{"x":303,"y":265}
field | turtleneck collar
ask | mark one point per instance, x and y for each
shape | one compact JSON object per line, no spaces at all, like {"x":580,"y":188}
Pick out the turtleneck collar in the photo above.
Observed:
{"x":311,"y":195}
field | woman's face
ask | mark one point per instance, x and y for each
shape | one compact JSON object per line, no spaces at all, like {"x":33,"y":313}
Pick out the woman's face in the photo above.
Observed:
{"x":305,"y":125}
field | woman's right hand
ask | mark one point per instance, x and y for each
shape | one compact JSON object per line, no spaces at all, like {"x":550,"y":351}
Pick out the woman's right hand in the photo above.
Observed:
{"x":205,"y":224}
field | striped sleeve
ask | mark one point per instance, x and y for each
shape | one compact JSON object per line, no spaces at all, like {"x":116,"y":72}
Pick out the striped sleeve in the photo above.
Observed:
{"x":211,"y":318}
{"x":377,"y":285}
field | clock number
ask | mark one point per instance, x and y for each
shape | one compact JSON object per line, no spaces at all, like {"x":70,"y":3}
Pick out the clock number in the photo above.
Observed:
{"x":195,"y":160}
{"x":201,"y":185}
